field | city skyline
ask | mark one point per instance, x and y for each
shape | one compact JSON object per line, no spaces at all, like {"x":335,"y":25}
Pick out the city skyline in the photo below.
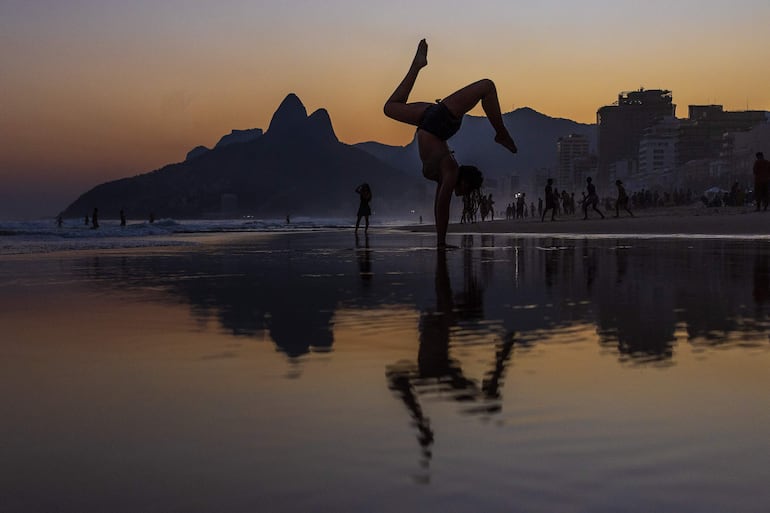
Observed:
{"x":99,"y":91}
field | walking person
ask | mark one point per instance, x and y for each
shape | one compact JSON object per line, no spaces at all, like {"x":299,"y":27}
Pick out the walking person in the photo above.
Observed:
{"x":622,"y":201}
{"x":591,"y":199}
{"x":438,"y":122}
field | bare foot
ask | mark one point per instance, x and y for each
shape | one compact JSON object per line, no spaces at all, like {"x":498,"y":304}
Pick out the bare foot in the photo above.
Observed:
{"x":506,"y":141}
{"x":421,"y":57}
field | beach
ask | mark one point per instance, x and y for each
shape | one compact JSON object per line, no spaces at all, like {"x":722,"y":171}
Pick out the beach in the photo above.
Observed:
{"x":691,"y":220}
{"x":312,"y":370}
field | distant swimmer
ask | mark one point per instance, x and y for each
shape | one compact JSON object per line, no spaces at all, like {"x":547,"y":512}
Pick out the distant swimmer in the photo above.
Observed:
{"x":122,"y":218}
{"x":95,"y":219}
{"x":436,"y":123}
{"x":59,"y":221}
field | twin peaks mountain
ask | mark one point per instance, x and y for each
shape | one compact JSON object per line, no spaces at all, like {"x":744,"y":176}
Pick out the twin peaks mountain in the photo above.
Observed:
{"x":299,"y":167}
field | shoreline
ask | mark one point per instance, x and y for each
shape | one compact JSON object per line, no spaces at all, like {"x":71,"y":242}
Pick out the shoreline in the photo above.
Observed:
{"x":667,"y":221}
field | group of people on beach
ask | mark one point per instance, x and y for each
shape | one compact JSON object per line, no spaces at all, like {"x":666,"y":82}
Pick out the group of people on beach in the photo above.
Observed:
{"x":436,"y":123}
{"x":590,"y":200}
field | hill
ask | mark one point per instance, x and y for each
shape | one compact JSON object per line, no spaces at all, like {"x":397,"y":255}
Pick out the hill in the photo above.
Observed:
{"x":297,"y":167}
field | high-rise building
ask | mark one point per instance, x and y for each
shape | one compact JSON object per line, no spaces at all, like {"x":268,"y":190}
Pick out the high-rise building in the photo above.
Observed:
{"x":701,"y":135}
{"x":658,"y":151}
{"x":570,"y":149}
{"x":622,"y":125}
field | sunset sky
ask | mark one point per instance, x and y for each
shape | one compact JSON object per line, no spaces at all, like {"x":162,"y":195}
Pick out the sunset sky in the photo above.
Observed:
{"x":94,"y":90}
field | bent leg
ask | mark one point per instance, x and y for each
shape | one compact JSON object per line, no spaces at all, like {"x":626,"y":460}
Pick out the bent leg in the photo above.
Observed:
{"x":484,"y":90}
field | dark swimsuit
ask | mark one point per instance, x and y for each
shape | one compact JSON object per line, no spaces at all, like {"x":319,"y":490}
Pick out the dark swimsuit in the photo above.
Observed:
{"x":438,"y":121}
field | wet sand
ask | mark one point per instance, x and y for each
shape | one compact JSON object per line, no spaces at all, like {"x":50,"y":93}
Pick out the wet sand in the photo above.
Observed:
{"x":676,"y":221}
{"x":314,"y":371}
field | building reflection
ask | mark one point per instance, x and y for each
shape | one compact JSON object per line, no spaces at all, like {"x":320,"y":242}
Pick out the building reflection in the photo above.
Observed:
{"x":639,"y":294}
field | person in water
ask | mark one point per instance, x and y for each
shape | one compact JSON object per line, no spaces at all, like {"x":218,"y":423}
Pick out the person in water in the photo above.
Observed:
{"x":436,"y":123}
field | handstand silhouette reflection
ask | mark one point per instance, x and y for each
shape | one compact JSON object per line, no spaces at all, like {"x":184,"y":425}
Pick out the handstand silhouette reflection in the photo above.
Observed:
{"x":436,"y":372}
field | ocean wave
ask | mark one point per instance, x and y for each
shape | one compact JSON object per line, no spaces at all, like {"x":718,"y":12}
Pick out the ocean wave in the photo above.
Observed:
{"x":44,"y":236}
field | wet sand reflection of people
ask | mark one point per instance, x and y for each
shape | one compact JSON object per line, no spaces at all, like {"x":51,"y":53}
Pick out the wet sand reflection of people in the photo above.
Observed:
{"x":364,"y":257}
{"x":436,"y":371}
{"x":761,"y":289}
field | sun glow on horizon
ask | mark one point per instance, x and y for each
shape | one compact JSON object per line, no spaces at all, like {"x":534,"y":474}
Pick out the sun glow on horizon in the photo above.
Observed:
{"x":100,"y":90}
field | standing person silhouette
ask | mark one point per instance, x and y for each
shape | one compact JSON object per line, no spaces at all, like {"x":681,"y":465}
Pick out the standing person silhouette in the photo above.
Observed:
{"x":364,"y":210}
{"x":550,"y":203}
{"x":761,"y":181}
{"x":436,"y":123}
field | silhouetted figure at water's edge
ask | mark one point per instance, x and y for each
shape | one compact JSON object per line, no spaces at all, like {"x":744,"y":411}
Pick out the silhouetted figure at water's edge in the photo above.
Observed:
{"x":95,"y":219}
{"x":364,"y":210}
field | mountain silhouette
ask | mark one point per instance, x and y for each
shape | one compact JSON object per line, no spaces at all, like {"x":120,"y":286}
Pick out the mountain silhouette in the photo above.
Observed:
{"x":299,"y":167}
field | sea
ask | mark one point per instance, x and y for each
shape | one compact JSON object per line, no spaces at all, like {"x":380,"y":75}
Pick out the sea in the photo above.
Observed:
{"x":45,"y":236}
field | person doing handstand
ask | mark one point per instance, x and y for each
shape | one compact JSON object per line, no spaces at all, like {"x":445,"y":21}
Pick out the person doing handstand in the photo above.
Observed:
{"x":436,"y":123}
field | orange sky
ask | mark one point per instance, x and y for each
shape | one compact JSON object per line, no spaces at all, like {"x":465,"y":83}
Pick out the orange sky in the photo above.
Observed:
{"x":94,"y":91}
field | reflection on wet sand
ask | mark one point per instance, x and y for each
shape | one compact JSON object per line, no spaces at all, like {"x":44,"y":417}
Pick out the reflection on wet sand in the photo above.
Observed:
{"x":639,"y":294}
{"x":436,"y":373}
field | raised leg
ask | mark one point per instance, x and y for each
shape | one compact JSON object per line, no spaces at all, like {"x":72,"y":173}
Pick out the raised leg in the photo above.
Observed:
{"x":397,"y":107}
